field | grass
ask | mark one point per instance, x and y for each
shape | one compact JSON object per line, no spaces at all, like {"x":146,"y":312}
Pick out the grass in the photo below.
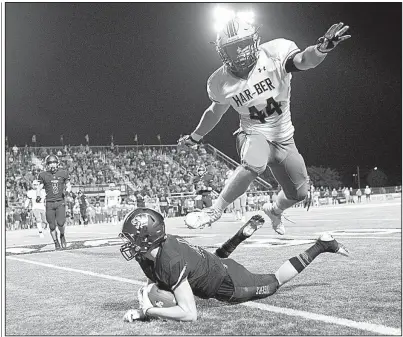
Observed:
{"x":365,"y":287}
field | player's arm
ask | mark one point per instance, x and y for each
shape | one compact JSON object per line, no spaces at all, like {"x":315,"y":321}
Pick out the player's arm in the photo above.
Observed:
{"x":314,"y":55}
{"x":185,"y":310}
{"x":211,"y":116}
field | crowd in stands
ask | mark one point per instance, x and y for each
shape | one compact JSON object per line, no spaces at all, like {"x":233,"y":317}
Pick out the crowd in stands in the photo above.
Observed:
{"x":151,"y":174}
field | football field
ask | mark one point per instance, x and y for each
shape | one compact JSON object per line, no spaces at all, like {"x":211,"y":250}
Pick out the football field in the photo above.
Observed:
{"x":86,"y":289}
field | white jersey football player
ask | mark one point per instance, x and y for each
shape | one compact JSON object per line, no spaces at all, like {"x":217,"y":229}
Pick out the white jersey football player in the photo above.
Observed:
{"x":255,"y":80}
{"x":112,"y":202}
{"x":36,"y":201}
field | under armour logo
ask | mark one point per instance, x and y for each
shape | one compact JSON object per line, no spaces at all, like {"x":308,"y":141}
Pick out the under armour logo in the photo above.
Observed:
{"x":260,"y":69}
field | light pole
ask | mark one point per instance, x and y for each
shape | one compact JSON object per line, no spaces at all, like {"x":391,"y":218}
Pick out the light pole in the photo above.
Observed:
{"x":358,"y":177}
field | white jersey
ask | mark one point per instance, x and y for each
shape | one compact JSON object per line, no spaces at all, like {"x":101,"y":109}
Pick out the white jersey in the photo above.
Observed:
{"x":32,"y":195}
{"x":263,"y":99}
{"x":112,"y":198}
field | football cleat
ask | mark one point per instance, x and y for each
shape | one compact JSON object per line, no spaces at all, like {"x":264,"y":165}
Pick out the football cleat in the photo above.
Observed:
{"x":203,"y":218}
{"x":41,"y":235}
{"x":252,"y":225}
{"x":276,"y":221}
{"x":63,"y":241}
{"x":330,"y":245}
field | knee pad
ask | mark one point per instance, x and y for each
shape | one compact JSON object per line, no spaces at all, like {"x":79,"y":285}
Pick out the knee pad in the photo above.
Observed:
{"x":257,"y":170}
{"x":298,"y":194}
{"x":52,"y":226}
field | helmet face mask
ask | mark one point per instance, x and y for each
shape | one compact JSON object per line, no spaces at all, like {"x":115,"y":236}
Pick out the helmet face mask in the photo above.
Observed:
{"x":237,"y":45}
{"x":143,"y":230}
{"x":52,"y":163}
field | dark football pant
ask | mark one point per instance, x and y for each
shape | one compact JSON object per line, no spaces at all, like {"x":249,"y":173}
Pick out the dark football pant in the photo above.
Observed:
{"x":241,"y":285}
{"x":55,"y":213}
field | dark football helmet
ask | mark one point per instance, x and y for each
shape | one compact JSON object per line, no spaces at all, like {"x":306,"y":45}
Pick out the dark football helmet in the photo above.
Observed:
{"x":143,"y":230}
{"x":52,"y":163}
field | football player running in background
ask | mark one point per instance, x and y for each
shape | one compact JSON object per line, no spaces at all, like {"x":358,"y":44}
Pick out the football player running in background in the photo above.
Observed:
{"x":36,"y":202}
{"x":255,"y":80}
{"x":56,"y":182}
{"x":188,"y":270}
{"x":112,"y":201}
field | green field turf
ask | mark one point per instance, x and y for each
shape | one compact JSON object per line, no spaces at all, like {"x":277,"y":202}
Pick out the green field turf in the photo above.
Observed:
{"x":86,"y":291}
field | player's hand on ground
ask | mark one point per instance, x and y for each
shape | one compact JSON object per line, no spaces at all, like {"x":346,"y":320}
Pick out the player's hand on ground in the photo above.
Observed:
{"x":188,"y":141}
{"x":133,"y":315}
{"x":333,"y":37}
{"x":144,"y":301}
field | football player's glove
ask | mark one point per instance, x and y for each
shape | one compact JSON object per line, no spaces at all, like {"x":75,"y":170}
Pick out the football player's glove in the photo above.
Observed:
{"x":188,"y":141}
{"x":332,"y":38}
{"x":133,"y":315}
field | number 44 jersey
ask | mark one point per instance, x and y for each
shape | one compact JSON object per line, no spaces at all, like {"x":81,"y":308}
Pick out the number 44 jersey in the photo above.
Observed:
{"x":263,"y":99}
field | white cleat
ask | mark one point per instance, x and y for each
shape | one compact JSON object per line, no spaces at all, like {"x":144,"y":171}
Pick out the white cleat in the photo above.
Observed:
{"x":276,"y":221}
{"x":41,"y":235}
{"x":203,"y":218}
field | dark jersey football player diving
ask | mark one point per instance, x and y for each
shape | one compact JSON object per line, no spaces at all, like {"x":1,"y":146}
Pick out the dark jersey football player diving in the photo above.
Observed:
{"x":188,"y":270}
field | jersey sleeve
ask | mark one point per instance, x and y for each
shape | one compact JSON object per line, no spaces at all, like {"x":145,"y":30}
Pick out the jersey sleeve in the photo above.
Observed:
{"x":214,"y":88}
{"x":281,"y":49}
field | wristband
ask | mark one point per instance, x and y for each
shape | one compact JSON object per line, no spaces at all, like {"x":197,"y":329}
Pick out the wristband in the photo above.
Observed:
{"x":195,"y":137}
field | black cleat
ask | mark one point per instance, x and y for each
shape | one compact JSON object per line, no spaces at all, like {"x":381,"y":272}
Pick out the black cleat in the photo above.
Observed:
{"x":330,"y":245}
{"x":252,"y":226}
{"x":63,"y":241}
{"x":57,"y":245}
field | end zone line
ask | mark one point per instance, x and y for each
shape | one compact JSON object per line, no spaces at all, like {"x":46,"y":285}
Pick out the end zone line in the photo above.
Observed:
{"x":381,"y":329}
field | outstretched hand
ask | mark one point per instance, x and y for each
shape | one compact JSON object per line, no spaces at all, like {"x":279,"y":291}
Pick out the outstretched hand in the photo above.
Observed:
{"x":333,"y":37}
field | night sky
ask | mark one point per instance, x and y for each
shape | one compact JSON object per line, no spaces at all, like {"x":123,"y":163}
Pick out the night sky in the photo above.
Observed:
{"x":141,"y":68}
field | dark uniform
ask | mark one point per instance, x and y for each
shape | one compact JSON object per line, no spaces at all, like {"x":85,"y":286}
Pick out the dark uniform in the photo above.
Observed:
{"x":54,"y":185}
{"x":208,"y":275}
{"x":82,"y":200}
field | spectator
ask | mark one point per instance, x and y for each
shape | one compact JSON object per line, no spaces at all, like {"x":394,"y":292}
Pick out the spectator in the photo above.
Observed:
{"x":367,"y":192}
{"x":358,"y":194}
{"x":334,"y":197}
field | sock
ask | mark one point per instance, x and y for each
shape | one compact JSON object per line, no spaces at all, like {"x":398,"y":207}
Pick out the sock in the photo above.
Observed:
{"x":39,"y":226}
{"x":297,"y":264}
{"x":237,"y":185}
{"x":230,"y":245}
{"x":282,"y":203}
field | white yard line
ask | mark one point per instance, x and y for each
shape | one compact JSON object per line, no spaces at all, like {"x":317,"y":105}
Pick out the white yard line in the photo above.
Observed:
{"x":381,"y":329}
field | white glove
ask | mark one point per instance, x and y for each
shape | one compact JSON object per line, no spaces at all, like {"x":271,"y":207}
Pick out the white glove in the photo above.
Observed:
{"x":188,"y":141}
{"x":332,"y":38}
{"x":133,"y":315}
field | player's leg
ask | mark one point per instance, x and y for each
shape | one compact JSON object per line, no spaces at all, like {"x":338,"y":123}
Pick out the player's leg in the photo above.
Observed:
{"x":254,"y":152}
{"x":51,"y":220}
{"x":291,"y":268}
{"x":244,"y":232}
{"x":61,"y":220}
{"x":38,"y":220}
{"x":288,"y":167}
{"x":249,"y":286}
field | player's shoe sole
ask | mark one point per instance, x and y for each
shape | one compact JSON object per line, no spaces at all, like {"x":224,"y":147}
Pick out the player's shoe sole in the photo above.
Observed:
{"x":202,"y":219}
{"x":253,"y":224}
{"x":331,"y":245}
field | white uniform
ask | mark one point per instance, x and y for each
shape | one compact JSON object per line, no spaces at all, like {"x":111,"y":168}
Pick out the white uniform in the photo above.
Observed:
{"x":31,"y":194}
{"x":263,"y":104}
{"x":265,"y":93}
{"x":38,"y":208}
{"x":112,"y":198}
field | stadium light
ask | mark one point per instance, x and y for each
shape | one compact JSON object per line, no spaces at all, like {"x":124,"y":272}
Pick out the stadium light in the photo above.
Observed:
{"x":223,"y":15}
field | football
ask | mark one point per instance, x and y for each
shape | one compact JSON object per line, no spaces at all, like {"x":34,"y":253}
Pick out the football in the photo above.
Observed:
{"x":161,"y":298}
{"x":191,"y":220}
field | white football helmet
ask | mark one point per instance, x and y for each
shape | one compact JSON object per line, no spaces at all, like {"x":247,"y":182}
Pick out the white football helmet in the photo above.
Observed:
{"x":237,"y":44}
